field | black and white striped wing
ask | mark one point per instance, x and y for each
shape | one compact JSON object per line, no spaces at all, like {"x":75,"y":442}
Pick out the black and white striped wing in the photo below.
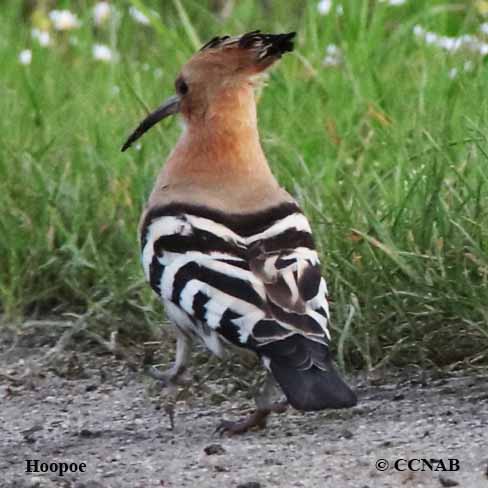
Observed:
{"x":253,"y":280}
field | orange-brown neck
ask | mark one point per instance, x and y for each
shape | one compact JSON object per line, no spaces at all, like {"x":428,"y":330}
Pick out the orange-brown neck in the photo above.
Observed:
{"x":220,"y":144}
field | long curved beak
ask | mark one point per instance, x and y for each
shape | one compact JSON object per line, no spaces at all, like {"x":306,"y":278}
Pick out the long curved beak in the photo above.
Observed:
{"x":169,"y":107}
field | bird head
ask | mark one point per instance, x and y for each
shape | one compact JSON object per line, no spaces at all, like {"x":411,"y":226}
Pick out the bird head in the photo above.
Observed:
{"x":214,"y":77}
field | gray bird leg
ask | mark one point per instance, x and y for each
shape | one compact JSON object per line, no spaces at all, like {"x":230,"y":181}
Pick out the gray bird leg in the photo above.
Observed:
{"x":264,"y":406}
{"x":171,"y":377}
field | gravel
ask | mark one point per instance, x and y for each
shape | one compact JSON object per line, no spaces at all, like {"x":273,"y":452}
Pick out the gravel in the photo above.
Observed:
{"x":107,"y":416}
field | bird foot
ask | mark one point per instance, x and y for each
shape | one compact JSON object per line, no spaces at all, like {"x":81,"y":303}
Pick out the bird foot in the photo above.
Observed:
{"x":256,"y":420}
{"x":169,"y":409}
{"x":169,"y":382}
{"x":279,"y":407}
{"x":167,"y":378}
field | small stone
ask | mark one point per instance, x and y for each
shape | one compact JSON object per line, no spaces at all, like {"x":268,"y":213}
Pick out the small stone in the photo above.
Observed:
{"x":347,"y":434}
{"x":91,"y":387}
{"x":448,"y":390}
{"x":217,"y":398}
{"x":109,"y":474}
{"x":398,"y":396}
{"x":89,"y":433}
{"x":88,"y":484}
{"x":273,"y":462}
{"x":28,"y":434}
{"x":35,"y":482}
{"x":447,"y":481}
{"x":214,"y":449}
{"x":249,"y":484}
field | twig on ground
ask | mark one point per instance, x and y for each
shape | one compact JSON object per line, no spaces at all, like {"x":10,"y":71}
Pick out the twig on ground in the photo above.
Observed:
{"x":15,"y":380}
{"x":45,"y":323}
{"x":114,"y":347}
{"x":78,"y":326}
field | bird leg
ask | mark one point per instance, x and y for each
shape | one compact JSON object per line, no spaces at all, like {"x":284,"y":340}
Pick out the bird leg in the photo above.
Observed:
{"x":172,"y":377}
{"x":264,"y":406}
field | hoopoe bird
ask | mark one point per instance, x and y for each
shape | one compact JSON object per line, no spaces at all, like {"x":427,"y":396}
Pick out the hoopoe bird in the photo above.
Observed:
{"x":227,"y":250}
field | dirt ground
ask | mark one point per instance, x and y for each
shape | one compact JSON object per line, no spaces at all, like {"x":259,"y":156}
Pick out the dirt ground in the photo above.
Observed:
{"x":95,"y":410}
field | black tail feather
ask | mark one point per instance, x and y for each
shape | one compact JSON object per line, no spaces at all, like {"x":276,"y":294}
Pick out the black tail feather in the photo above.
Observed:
{"x":313,"y":388}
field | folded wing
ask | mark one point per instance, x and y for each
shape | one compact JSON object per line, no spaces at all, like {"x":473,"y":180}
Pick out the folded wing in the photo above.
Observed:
{"x":253,"y":281}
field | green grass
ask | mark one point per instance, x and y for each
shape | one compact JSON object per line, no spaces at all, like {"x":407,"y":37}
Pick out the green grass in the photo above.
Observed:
{"x":386,"y":153}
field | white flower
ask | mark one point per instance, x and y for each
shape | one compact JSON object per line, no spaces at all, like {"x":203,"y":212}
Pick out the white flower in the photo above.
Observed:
{"x":42,"y":37}
{"x":450,"y":43}
{"x":101,"y":52}
{"x":138,"y":16}
{"x":333,"y":50}
{"x":418,"y":31}
{"x":394,"y":3}
{"x":64,"y":20}
{"x":483,"y":48}
{"x":101,"y":12}
{"x":25,"y":57}
{"x":468,"y":66}
{"x":330,"y":61}
{"x":324,"y":7}
{"x":333,"y":56}
{"x":484,"y":28}
{"x":431,"y":38}
{"x":453,"y":72}
{"x":453,"y":44}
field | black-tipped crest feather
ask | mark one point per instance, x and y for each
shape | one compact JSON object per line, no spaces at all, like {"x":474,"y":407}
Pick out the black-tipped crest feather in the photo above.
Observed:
{"x":269,"y":44}
{"x":266,"y":45}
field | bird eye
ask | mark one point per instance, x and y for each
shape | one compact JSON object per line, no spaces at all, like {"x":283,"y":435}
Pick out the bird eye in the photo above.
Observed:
{"x":181,"y":86}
